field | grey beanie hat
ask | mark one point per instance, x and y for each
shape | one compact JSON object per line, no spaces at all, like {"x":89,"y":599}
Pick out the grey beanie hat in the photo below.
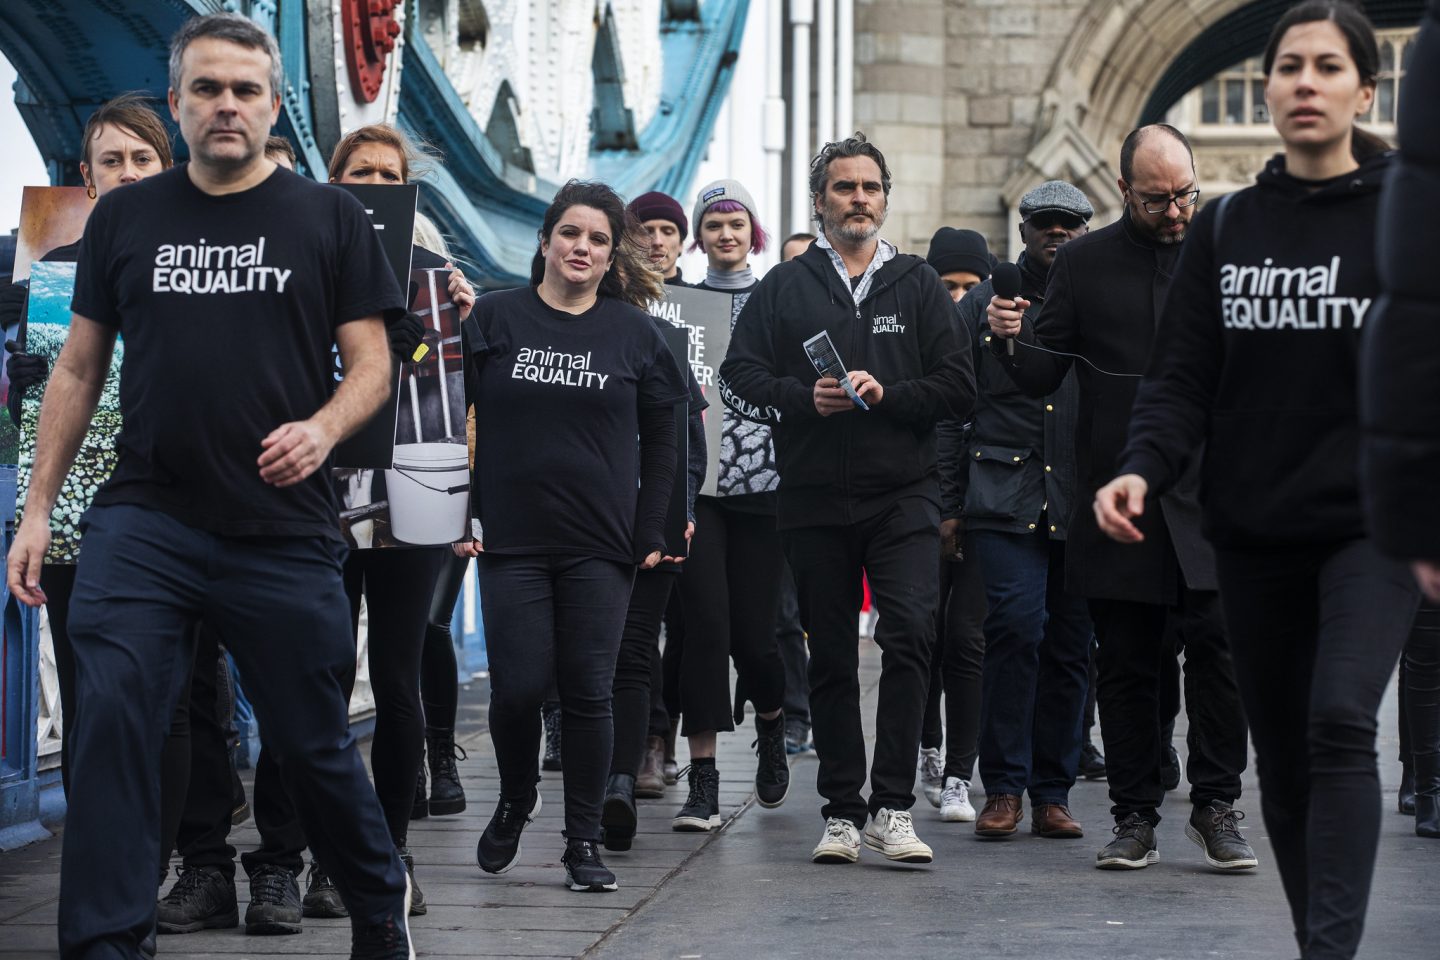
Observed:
{"x":713,"y":193}
{"x":1056,"y":195}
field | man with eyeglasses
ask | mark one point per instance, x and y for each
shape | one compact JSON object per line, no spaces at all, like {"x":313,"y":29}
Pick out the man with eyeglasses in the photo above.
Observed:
{"x":1104,"y":298}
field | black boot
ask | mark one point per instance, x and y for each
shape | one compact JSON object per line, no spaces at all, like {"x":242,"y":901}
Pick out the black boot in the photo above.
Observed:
{"x":1427,"y":795}
{"x":420,"y":806}
{"x":1169,"y":758}
{"x":551,"y":715}
{"x":1406,"y":797}
{"x":618,"y":818}
{"x":447,"y":796}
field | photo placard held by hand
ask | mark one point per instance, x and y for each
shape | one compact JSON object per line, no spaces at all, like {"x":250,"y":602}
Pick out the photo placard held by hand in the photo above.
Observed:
{"x":422,"y":497}
{"x":826,"y":359}
{"x":392,"y":212}
{"x":678,"y":340}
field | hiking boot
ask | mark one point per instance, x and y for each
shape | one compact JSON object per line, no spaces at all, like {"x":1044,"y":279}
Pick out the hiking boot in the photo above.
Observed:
{"x":701,"y":811}
{"x":839,"y":844}
{"x":274,"y":902}
{"x":447,"y":796}
{"x":1133,"y":847}
{"x":932,"y":774}
{"x":420,"y":806}
{"x":417,"y":897}
{"x":772,"y":771}
{"x":499,"y":846}
{"x":955,"y":806}
{"x":618,"y":817}
{"x":891,"y":833}
{"x":551,"y":714}
{"x":650,"y":783}
{"x":322,"y":899}
{"x":1092,"y":762}
{"x":584,"y":871}
{"x":1215,"y":827}
{"x":202,"y":898}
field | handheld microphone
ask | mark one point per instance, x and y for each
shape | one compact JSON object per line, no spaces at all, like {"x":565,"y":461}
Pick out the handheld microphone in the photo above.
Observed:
{"x":1005,"y":281}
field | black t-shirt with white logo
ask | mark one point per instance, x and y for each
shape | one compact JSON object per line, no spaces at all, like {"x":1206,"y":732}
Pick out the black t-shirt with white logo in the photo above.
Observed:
{"x":228,"y":307}
{"x":557,"y":399}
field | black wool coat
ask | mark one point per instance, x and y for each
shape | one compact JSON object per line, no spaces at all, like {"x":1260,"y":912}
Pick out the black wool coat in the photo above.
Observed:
{"x":1103,"y":303}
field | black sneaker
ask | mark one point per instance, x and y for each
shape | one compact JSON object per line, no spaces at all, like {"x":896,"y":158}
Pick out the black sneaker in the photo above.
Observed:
{"x":701,"y":811}
{"x":618,"y":817}
{"x":499,"y":846}
{"x":389,"y":940}
{"x":1092,"y":762}
{"x":420,"y":806}
{"x":1215,"y":827}
{"x":797,"y":737}
{"x":583,"y":870}
{"x":1133,"y":847}
{"x":321,"y":897}
{"x":274,"y":902}
{"x":1169,"y":767}
{"x":447,"y":796}
{"x":772,"y":770}
{"x":417,"y":897}
{"x":551,"y":715}
{"x":202,"y":898}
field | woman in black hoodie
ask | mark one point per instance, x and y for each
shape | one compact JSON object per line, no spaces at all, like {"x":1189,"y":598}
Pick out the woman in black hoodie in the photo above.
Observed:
{"x":1256,"y":363}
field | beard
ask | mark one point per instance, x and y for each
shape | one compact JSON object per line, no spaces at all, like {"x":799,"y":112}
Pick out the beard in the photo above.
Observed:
{"x":838,"y":226}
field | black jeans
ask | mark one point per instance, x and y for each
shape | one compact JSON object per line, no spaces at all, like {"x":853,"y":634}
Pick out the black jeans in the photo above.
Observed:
{"x":896,"y":549}
{"x":398,"y":585}
{"x":790,"y":640}
{"x":1135,"y":645}
{"x":1316,"y":633}
{"x":731,"y":587}
{"x":1037,"y":656}
{"x":553,"y":619}
{"x":143,"y":584}
{"x":639,"y":654}
{"x":956,"y":665}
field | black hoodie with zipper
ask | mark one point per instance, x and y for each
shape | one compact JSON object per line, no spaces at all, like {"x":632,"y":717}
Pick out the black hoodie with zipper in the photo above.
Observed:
{"x":849,"y":466}
{"x":1257,"y":358}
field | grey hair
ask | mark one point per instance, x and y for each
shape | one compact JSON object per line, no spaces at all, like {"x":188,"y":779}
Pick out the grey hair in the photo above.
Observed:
{"x":232,"y":28}
{"x":856,"y":146}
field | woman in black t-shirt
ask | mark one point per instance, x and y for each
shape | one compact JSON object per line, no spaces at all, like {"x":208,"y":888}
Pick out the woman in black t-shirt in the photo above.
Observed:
{"x":1255,"y":363}
{"x":564,"y":375}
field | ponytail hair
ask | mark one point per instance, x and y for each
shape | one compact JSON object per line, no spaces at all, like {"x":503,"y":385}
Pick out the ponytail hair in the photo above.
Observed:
{"x":631,"y":276}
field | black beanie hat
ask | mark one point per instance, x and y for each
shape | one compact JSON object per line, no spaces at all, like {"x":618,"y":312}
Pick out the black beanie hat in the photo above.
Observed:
{"x":659,"y":206}
{"x":952,"y":250}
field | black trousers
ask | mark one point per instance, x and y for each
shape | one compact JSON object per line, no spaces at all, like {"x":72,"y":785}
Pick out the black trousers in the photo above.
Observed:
{"x":143,"y":584}
{"x":634,"y":668}
{"x":398,"y":585}
{"x":554,"y":620}
{"x":671,"y":656}
{"x":1420,"y":705}
{"x":896,"y":549}
{"x":955,"y":667}
{"x":790,"y":641}
{"x":1136,"y":643}
{"x":1316,"y":633}
{"x":731,"y":588}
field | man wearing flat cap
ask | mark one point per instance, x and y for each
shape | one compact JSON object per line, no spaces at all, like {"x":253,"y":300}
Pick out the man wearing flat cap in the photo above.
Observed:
{"x":1012,"y":487}
{"x":1104,"y":296}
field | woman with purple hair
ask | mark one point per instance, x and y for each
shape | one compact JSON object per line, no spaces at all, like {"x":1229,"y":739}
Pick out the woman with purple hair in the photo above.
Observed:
{"x":730,"y":587}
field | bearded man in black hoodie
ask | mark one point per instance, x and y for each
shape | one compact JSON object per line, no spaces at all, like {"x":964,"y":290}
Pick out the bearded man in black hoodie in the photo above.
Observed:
{"x":858,"y":487}
{"x":1102,"y":304}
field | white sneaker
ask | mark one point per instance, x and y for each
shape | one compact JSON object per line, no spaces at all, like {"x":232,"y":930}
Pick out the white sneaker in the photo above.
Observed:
{"x":892,"y":834}
{"x":932,"y":774}
{"x":955,"y":804}
{"x":840,"y":844}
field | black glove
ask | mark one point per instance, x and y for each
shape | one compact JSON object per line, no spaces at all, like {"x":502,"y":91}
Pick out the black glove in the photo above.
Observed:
{"x":25,"y":369}
{"x":405,"y":335}
{"x":12,"y":304}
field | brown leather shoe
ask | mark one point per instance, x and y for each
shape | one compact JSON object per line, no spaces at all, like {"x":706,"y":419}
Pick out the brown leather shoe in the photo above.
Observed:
{"x":650,"y":783}
{"x":1000,"y":818}
{"x":1053,"y":820}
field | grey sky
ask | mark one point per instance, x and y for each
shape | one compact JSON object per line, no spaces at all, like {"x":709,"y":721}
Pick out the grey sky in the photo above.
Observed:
{"x":20,"y":163}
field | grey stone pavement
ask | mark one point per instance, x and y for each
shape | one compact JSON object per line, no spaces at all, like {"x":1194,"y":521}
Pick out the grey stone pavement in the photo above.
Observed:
{"x":749,"y":891}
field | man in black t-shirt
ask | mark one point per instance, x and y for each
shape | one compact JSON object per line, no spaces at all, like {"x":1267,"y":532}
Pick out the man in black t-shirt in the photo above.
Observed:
{"x":229,"y":280}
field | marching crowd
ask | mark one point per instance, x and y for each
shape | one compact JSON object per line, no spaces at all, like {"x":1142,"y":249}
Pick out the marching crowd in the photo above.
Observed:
{"x":1130,"y":460}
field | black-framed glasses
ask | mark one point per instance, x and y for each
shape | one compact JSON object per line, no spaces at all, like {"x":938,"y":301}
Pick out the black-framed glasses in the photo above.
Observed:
{"x":1187,"y":198}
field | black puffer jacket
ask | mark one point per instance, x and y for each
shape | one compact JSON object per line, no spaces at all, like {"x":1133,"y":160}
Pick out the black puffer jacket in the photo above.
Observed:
{"x":849,"y":466}
{"x":1400,"y":368}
